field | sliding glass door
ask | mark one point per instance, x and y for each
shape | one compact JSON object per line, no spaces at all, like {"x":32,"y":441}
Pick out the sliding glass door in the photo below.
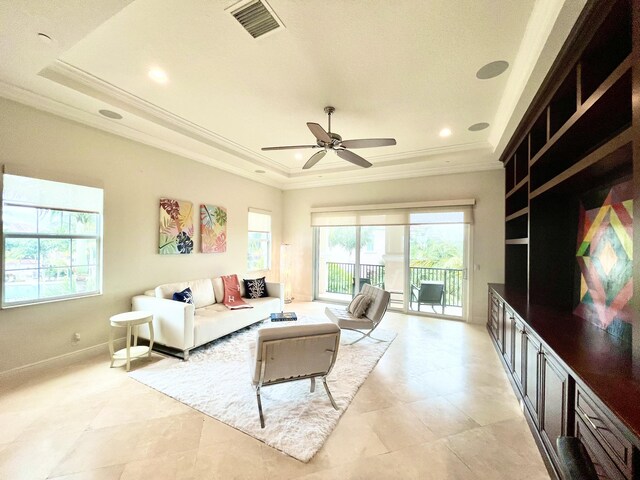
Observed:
{"x":418,"y":255}
{"x":438,"y":268}
{"x":336,"y":263}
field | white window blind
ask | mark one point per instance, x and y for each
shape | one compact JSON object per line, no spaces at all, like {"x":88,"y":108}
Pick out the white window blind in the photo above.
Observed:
{"x":458,"y":211}
{"x":259,"y":221}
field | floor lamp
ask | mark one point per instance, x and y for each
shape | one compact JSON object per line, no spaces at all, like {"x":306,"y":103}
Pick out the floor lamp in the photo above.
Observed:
{"x":285,"y":270}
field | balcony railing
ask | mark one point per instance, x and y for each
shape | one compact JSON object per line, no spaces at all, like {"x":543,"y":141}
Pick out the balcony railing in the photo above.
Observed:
{"x":341,"y":279}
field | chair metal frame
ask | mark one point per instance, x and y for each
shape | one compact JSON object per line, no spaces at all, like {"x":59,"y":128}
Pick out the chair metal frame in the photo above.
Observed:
{"x":368,"y":334}
{"x":323,"y":375}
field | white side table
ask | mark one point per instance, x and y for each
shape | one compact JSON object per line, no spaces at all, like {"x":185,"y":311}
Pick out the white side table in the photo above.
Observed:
{"x":131,"y":320}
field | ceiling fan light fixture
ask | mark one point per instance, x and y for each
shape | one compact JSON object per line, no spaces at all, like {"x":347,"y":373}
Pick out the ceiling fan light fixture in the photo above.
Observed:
{"x":328,"y":140}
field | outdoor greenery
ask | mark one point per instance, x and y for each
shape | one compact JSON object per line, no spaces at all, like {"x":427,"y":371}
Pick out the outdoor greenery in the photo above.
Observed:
{"x":435,"y":247}
{"x":45,"y":266}
{"x":345,"y":238}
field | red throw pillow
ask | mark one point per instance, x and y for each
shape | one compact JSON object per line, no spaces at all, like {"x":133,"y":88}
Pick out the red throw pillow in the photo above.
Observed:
{"x":232,"y":298}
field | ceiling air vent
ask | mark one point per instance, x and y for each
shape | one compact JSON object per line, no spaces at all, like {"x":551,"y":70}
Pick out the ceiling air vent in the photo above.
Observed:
{"x":256,"y":16}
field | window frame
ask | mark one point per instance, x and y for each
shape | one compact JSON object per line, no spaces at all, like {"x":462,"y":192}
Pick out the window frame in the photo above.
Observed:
{"x":7,"y":236}
{"x":268,"y":240}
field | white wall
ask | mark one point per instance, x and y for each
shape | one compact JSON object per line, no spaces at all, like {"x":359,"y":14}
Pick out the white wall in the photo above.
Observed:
{"x":488,"y":230}
{"x":134,"y":176}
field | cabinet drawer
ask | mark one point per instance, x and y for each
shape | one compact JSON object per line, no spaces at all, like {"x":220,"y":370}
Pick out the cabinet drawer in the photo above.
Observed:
{"x":612,"y":441}
{"x":604,"y":466}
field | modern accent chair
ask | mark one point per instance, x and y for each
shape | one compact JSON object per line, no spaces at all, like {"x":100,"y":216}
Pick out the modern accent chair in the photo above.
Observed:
{"x":296,"y":352}
{"x":372,"y":316}
{"x":429,"y":293}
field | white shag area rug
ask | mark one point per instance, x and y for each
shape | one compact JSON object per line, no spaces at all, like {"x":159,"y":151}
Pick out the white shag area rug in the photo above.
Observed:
{"x":216,"y":381}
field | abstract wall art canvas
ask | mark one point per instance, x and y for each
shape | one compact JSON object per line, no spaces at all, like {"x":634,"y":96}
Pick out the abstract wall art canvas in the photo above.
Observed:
{"x":213,"y":229}
{"x":176,"y":227}
{"x":605,"y":259}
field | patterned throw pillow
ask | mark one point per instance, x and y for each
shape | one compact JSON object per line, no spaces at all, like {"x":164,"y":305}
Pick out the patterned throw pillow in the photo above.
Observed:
{"x":256,"y":288}
{"x":184,"y":296}
{"x":359,"y":305}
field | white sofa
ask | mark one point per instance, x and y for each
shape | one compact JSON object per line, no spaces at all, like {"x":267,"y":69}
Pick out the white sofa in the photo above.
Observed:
{"x":183,"y":327}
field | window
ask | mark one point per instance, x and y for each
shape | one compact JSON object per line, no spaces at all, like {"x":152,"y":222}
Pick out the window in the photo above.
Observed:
{"x":52,"y":239}
{"x":259,"y":246}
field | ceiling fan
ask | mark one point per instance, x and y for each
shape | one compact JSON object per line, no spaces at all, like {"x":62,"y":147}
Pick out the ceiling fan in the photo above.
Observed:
{"x":332,"y":141}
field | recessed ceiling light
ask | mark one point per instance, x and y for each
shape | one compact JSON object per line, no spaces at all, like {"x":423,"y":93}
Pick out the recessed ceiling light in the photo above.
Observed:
{"x":158,"y":75}
{"x":445,"y":132}
{"x":478,"y":126}
{"x":298,"y":156}
{"x":260,"y":171}
{"x":491,"y":70}
{"x":44,"y":38}
{"x":110,"y":114}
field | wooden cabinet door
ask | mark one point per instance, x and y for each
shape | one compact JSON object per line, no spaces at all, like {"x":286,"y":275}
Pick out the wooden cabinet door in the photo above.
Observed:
{"x":493,"y":314}
{"x":554,"y":398}
{"x":509,"y":331}
{"x":518,"y":351}
{"x":501,"y":325}
{"x":531,"y":370}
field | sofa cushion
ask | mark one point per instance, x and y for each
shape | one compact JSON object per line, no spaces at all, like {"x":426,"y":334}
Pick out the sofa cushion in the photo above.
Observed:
{"x":168,"y":289}
{"x":202,"y":291}
{"x":218,"y":289}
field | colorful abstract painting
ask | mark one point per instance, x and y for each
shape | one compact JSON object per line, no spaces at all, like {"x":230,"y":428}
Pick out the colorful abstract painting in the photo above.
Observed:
{"x":176,"y":227}
{"x":213,"y":229}
{"x":605,"y":259}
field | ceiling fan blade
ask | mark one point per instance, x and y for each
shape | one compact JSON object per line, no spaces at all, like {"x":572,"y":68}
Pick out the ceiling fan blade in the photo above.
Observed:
{"x":368,"y":142}
{"x":289,"y":147}
{"x":353,"y":158}
{"x":315,"y":158}
{"x":319,"y":132}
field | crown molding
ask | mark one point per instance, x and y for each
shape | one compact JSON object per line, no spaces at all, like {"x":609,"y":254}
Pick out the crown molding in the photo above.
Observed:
{"x":366,"y":176}
{"x":55,"y":107}
{"x":81,"y":81}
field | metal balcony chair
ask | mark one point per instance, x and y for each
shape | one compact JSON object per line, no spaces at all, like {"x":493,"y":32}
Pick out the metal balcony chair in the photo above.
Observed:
{"x":429,"y":293}
{"x":363,"y":282}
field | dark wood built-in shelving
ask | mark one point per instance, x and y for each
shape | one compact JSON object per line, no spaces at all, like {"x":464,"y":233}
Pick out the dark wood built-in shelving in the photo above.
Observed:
{"x":579,"y":138}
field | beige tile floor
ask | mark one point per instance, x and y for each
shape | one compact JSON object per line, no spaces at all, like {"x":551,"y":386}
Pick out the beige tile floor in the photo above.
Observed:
{"x":437,"y":406}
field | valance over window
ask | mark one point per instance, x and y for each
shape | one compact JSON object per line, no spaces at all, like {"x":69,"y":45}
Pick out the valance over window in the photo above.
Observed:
{"x":418,"y":213}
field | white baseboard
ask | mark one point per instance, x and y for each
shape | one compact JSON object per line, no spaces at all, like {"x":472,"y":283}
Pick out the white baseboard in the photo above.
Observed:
{"x":64,"y":359}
